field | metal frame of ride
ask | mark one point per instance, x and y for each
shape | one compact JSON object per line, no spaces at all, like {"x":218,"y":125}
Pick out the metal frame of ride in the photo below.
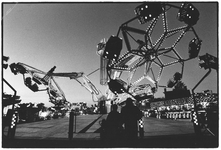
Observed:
{"x":11,"y":117}
{"x":35,"y":78}
{"x":147,"y":53}
{"x":207,"y":62}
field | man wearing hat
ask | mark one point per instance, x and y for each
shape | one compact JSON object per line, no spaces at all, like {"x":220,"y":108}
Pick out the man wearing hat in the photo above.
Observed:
{"x":130,"y":115}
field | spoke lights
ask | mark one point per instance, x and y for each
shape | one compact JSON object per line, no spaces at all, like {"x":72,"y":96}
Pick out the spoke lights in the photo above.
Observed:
{"x":147,"y":51}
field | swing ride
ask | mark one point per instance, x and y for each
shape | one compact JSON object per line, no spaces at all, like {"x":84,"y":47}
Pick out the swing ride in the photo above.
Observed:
{"x":37,"y":80}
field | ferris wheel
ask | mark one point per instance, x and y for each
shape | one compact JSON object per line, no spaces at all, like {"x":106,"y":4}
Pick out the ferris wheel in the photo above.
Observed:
{"x":147,"y":47}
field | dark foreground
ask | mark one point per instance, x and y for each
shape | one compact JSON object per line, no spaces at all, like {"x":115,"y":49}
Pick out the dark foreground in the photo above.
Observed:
{"x":184,"y":141}
{"x":159,"y":133}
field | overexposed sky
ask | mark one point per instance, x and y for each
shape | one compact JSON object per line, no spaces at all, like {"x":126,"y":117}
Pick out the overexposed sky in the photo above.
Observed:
{"x":65,"y":35}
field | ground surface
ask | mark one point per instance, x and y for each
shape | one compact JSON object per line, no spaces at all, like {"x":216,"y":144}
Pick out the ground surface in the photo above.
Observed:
{"x":159,"y":133}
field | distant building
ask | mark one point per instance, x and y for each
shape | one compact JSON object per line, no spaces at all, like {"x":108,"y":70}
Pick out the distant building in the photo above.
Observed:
{"x":200,"y":98}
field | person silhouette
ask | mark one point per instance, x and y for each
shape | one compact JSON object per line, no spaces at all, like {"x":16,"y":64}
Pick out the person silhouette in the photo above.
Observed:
{"x":113,"y":123}
{"x":130,"y":116}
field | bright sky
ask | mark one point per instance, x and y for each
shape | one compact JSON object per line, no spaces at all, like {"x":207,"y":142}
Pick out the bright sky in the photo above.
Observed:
{"x":65,"y":35}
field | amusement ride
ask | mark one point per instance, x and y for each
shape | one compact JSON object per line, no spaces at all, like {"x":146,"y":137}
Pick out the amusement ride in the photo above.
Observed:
{"x":143,"y":49}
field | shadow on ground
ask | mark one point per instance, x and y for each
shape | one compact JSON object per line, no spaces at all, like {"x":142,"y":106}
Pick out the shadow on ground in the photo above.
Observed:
{"x":167,"y":141}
